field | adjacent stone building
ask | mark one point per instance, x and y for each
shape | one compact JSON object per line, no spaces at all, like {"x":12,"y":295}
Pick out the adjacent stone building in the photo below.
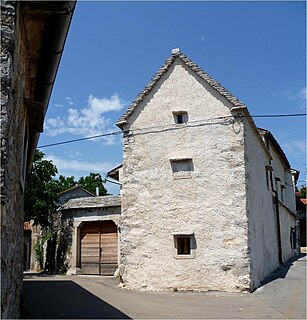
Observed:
{"x":207,"y":197}
{"x":33,"y":34}
{"x":88,"y":237}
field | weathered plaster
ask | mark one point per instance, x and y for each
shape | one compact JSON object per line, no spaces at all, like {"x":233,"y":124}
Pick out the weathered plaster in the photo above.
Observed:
{"x":77,"y":211}
{"x":262,"y":219}
{"x":212,"y":202}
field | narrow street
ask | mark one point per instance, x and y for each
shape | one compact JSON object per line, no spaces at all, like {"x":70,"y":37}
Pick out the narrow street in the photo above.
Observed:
{"x":89,"y":297}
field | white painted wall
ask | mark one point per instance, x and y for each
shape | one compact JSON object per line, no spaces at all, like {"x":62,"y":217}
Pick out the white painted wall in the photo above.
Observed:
{"x":262,"y":215}
{"x":287,"y":207}
{"x":212,"y":203}
{"x":262,"y":219}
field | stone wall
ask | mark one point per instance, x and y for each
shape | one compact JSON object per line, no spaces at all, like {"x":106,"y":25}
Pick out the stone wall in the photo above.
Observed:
{"x":73,"y":220}
{"x":210,"y":204}
{"x":12,"y":124}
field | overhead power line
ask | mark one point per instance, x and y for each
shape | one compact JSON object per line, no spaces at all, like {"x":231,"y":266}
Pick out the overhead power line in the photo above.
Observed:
{"x":279,"y":115}
{"x":81,"y":139}
{"x":121,"y":132}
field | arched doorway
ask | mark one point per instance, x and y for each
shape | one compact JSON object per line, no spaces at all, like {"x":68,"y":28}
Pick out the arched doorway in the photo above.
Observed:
{"x":99,"y":250}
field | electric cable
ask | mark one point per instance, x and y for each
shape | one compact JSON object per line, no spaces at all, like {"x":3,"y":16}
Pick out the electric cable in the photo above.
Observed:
{"x":171,"y":126}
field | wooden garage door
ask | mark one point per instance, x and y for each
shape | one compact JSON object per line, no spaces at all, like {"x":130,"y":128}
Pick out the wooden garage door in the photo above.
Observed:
{"x":99,"y":247}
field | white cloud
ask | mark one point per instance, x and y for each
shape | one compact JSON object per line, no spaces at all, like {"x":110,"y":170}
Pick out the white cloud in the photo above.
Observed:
{"x":75,"y":154}
{"x":295,"y":148}
{"x":202,"y":38}
{"x":69,"y":100}
{"x":88,"y":121}
{"x":291,"y":94}
{"x":80,"y":168}
{"x":303,"y":93}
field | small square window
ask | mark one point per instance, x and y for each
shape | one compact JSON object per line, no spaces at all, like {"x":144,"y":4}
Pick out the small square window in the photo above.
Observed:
{"x":184,"y":246}
{"x":182,"y":168}
{"x":180,"y":117}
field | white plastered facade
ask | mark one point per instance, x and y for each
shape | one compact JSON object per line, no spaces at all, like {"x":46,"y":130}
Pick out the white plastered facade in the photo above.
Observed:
{"x":223,"y":204}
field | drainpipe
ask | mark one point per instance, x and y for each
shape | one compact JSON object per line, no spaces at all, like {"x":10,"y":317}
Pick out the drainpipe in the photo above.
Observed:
{"x":278,"y":226}
{"x":276,"y":208}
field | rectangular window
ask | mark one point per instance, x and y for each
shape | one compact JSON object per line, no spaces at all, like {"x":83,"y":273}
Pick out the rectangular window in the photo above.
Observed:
{"x":182,"y":168}
{"x":180,"y":117}
{"x":282,"y":191}
{"x":268,"y":173}
{"x":267,"y":179}
{"x":185,"y":245}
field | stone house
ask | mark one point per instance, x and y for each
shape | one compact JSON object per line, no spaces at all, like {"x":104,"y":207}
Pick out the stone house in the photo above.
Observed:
{"x":32,"y":234}
{"x":89,"y":235}
{"x":33,"y":35}
{"x":73,"y":193}
{"x":207,"y":198}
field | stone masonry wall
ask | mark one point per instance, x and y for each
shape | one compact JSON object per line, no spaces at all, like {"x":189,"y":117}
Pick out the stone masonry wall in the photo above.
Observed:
{"x":211,"y":204}
{"x":12,"y":124}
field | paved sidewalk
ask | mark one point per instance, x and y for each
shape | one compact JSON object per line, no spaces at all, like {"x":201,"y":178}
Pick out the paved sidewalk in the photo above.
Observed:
{"x":89,"y":297}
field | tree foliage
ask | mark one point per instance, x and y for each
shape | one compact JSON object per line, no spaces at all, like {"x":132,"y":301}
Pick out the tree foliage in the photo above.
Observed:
{"x":40,"y":190}
{"x":42,"y":187}
{"x":64,"y":183}
{"x":91,"y":182}
{"x":302,"y":192}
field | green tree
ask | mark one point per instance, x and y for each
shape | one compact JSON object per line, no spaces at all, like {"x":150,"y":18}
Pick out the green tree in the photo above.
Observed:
{"x":40,"y":190}
{"x":42,"y":187}
{"x":302,"y":192}
{"x":92,"y":181}
{"x":64,"y":183}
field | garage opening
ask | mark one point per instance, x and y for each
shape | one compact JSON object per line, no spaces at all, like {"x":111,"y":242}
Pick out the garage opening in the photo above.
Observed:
{"x":99,"y":251}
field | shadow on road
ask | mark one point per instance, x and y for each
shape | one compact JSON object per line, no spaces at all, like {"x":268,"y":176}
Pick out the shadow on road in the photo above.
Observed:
{"x":65,"y":300}
{"x":282,"y":270}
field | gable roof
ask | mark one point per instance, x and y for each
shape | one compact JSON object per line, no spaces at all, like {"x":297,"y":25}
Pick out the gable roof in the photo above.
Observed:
{"x":92,"y":202}
{"x":166,"y":66}
{"x":73,"y":189}
{"x":276,"y":145}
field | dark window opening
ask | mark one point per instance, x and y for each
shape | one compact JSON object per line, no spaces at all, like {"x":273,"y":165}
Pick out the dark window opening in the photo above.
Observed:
{"x":180,"y":117}
{"x":282,"y":190}
{"x":267,"y":179}
{"x":183,"y":245}
{"x":182,"y":165}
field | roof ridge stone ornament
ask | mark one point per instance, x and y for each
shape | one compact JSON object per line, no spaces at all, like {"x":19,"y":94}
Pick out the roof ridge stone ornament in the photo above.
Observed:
{"x":177,"y":54}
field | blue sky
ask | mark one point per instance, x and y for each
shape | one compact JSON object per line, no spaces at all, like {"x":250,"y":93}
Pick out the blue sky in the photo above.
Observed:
{"x":257,"y":50}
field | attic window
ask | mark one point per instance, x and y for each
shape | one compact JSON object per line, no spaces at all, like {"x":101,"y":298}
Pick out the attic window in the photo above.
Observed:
{"x":180,"y":117}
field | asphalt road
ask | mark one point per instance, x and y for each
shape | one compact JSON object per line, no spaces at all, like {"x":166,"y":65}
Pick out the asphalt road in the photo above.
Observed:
{"x":94,"y":297}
